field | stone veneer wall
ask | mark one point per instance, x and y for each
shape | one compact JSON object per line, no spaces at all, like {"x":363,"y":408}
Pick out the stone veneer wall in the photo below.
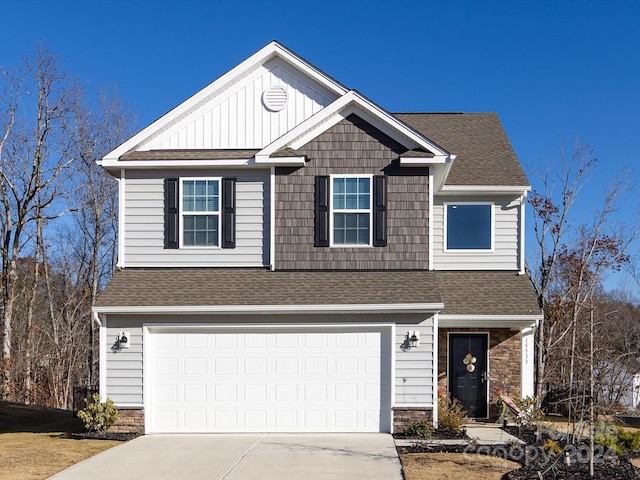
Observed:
{"x":405,"y":416}
{"x":130,"y":420}
{"x":505,"y":358}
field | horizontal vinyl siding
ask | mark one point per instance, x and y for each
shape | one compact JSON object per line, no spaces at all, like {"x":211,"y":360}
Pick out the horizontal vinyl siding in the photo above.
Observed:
{"x":144,"y":221}
{"x":124,"y":367}
{"x":505,"y":255}
{"x":414,"y":368}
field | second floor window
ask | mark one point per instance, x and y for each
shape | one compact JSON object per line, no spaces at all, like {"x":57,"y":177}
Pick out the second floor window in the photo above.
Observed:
{"x":351,"y":210}
{"x":200,"y":204}
{"x":469,"y":226}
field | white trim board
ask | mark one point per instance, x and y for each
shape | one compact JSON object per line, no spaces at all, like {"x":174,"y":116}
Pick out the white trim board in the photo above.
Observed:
{"x":269,"y":309}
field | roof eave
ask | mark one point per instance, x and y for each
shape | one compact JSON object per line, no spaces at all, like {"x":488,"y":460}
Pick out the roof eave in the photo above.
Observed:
{"x":488,"y":320}
{"x":429,"y":308}
{"x":150,"y":164}
{"x":475,"y":189}
{"x":422,"y":161}
{"x":295,"y":160}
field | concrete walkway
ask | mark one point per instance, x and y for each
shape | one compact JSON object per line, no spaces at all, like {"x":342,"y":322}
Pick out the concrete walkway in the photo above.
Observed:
{"x":490,"y":434}
{"x":243,"y":457}
{"x":482,"y":433}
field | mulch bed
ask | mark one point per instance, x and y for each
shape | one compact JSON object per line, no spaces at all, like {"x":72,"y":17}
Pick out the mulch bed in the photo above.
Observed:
{"x":436,"y":435}
{"x":536,"y":464}
{"x":119,"y":436}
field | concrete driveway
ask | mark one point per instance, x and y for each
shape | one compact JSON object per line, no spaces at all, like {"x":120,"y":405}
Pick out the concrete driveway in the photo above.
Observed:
{"x":243,"y":457}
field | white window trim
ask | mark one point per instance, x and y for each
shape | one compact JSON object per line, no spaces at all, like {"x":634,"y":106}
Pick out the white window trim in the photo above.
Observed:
{"x":470,"y":250}
{"x":331,"y":211}
{"x":183,"y":213}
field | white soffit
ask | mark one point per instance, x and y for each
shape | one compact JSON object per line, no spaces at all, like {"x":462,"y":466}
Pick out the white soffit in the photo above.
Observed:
{"x":272,"y":55}
{"x":353,"y":102}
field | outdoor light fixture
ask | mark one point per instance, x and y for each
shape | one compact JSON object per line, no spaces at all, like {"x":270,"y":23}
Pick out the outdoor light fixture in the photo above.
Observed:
{"x":414,"y":338}
{"x":123,"y":339}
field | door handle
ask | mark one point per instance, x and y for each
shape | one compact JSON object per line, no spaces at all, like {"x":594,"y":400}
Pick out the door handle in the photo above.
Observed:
{"x":485,"y":376}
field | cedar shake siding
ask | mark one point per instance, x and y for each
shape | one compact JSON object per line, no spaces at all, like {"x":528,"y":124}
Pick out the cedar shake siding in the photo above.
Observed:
{"x":352,"y":147}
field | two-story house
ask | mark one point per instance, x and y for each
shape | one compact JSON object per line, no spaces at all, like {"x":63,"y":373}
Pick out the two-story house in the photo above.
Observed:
{"x":294,"y":258}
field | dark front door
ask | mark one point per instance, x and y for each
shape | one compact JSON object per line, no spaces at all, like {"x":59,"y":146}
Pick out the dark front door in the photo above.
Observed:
{"x":468,"y":372}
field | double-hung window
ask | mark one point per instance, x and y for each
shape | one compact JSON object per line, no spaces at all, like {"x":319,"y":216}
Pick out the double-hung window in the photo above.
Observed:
{"x":351,"y":198}
{"x":469,"y":226}
{"x":200,"y":212}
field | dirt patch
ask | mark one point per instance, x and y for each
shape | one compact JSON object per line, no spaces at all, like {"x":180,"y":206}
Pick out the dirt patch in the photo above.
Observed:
{"x":454,"y":466}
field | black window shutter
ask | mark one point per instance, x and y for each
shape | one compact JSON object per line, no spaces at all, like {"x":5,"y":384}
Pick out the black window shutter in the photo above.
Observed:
{"x":228,"y":213}
{"x":321,"y":238}
{"x":379,"y":211}
{"x":171,"y":213}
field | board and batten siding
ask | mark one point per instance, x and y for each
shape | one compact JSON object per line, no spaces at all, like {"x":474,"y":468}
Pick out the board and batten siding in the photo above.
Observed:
{"x":144,"y":221}
{"x":507,"y":244}
{"x":124,"y":366}
{"x":414,"y":367}
{"x":235,"y":116}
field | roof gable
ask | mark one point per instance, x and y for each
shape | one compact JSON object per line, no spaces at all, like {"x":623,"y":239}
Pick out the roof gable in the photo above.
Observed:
{"x":231,"y":113}
{"x":350,"y":103}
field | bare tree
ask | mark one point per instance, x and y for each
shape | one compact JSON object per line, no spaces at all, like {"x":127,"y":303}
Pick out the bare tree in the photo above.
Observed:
{"x":35,"y":154}
{"x":572,"y":261}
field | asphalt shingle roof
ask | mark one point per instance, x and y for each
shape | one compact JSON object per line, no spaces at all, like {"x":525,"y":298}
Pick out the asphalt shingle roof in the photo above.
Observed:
{"x":484,"y":154}
{"x":486,"y":292}
{"x":220,"y":154}
{"x":498,"y":293}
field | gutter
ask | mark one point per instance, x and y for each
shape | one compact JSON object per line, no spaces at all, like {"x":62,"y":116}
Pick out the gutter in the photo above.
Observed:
{"x":274,"y":309}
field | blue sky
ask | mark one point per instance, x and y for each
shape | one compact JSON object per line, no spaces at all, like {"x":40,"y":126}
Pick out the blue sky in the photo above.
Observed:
{"x":554,"y":71}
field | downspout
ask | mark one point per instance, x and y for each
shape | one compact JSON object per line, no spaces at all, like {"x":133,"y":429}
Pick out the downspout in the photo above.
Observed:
{"x":272,"y":218}
{"x":435,"y":370}
{"x":523,"y":204}
{"x":430,"y":220}
{"x":121,"y":226}
{"x":102,"y":358}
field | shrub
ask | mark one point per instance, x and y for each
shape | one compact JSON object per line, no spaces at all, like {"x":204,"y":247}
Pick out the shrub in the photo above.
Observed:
{"x":451,"y":415}
{"x":420,"y":429}
{"x":552,"y":447}
{"x":614,"y":437}
{"x":531,"y":414}
{"x":98,"y":416}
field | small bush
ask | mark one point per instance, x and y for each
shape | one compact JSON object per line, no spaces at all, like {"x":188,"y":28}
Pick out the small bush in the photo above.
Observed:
{"x":552,"y":447}
{"x":451,"y":415}
{"x":98,"y":416}
{"x":420,"y":429}
{"x":531,"y":413}
{"x":614,"y":437}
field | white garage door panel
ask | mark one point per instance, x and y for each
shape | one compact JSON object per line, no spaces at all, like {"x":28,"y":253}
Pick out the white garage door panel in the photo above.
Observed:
{"x":268,"y":381}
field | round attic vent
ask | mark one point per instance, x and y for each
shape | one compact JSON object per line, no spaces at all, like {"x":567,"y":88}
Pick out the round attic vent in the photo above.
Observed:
{"x":275,"y":98}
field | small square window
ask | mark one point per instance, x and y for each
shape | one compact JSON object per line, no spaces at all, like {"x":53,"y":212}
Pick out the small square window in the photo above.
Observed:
{"x":469,"y":226}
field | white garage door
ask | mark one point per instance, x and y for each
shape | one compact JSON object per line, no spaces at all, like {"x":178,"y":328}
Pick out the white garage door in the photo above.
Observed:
{"x":304,"y":380}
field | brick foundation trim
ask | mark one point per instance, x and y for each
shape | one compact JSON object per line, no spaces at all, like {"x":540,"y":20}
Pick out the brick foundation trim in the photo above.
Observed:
{"x":405,"y":416}
{"x":130,"y":420}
